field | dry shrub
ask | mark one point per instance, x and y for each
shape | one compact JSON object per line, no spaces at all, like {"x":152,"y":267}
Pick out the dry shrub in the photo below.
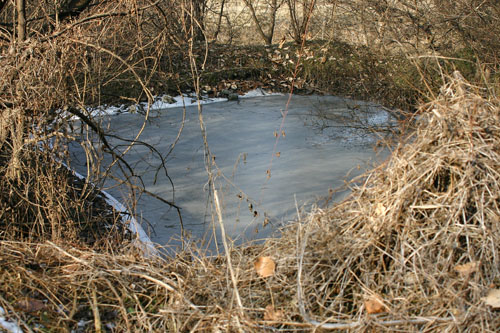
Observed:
{"x":49,"y":78}
{"x":62,"y":288}
{"x":47,"y":202}
{"x":404,"y":236}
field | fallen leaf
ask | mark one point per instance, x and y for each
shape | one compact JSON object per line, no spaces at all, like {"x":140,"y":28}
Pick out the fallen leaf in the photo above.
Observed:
{"x":31,"y":304}
{"x":71,"y":268}
{"x":265,"y":266}
{"x":273,"y":315}
{"x":380,"y":210}
{"x":492,"y":298}
{"x":282,"y":42}
{"x":467,"y":269}
{"x":374,"y":304}
{"x":410,"y":278}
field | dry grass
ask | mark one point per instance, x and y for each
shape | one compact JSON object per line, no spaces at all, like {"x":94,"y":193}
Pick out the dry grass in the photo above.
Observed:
{"x":403,"y":232}
{"x":397,"y":241}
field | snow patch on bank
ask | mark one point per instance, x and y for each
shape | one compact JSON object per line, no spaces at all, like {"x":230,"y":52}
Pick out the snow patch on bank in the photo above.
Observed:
{"x":167,"y":102}
{"x":259,"y":92}
{"x":160,"y":102}
{"x":142,"y":241}
{"x":7,"y":325}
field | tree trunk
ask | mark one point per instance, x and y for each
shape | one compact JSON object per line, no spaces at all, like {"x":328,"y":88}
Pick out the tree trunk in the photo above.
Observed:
{"x":300,"y":17}
{"x":219,"y":22}
{"x":199,"y":7}
{"x":268,"y":38}
{"x":21,"y":20}
{"x":12,"y":134}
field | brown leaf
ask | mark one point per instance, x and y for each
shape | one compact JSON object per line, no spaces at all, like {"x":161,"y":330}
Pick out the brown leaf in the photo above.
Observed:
{"x":492,"y":298}
{"x":71,"y":268}
{"x":467,"y":269}
{"x":273,"y":315}
{"x":380,"y":210}
{"x":282,"y":42}
{"x":375,"y":304}
{"x":265,"y":266}
{"x":31,"y":304}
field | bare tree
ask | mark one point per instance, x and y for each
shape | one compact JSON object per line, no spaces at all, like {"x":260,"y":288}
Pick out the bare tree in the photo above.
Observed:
{"x":219,"y":20}
{"x":300,"y":12}
{"x":265,"y":23}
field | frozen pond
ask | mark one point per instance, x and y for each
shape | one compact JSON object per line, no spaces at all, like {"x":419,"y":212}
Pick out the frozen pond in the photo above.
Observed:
{"x":313,"y":156}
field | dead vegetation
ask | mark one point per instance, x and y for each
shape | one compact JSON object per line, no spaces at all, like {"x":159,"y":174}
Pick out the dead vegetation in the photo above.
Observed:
{"x":419,"y":237}
{"x":56,"y":59}
{"x":415,"y":247}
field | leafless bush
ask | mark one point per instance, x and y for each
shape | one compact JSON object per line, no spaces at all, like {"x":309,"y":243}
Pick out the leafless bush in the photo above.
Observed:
{"x":58,"y":58}
{"x":423,"y":26}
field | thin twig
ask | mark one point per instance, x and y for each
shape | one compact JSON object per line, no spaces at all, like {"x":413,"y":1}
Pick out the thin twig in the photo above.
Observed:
{"x":228,"y":253}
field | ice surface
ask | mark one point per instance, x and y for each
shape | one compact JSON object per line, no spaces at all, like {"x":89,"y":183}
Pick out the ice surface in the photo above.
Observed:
{"x":242,"y":138}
